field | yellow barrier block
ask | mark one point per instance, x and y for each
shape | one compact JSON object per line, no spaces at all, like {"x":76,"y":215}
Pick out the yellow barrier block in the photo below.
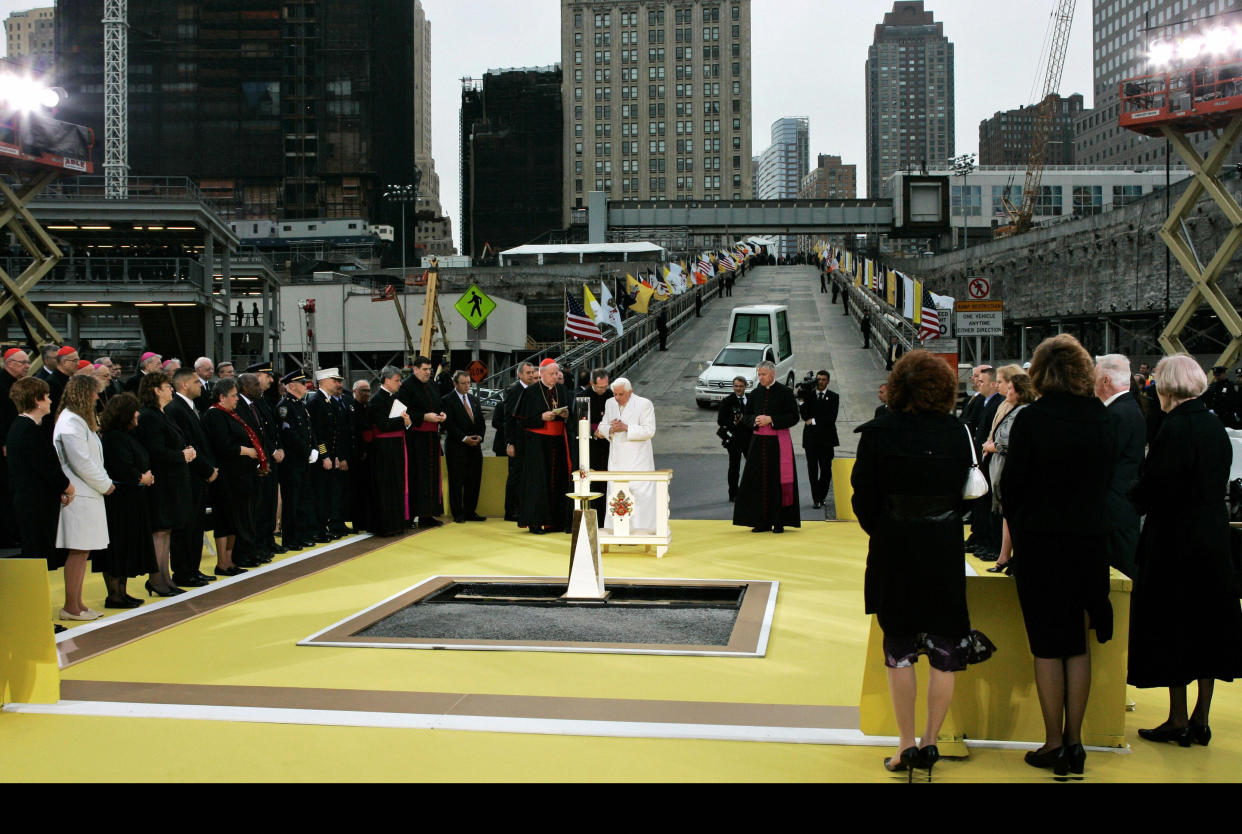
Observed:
{"x":842,"y":489}
{"x":997,"y":700}
{"x":29,"y":665}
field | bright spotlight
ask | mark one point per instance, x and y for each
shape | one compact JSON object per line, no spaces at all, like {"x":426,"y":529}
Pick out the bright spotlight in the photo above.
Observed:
{"x":1218,"y":41}
{"x":25,"y":94}
{"x":1161,"y":53}
{"x":1189,"y":49}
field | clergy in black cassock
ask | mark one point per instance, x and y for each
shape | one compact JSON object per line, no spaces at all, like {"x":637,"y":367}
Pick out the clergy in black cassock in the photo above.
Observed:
{"x":598,"y":393}
{"x":767,"y":497}
{"x":423,"y":441}
{"x":388,"y":457}
{"x":547,"y":451}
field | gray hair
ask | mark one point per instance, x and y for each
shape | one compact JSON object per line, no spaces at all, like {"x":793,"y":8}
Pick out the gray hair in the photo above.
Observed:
{"x":1117,"y":367}
{"x":360,"y":382}
{"x":766,"y":365}
{"x":622,"y":383}
{"x":1180,"y":377}
{"x":388,"y":372}
{"x":202,"y":362}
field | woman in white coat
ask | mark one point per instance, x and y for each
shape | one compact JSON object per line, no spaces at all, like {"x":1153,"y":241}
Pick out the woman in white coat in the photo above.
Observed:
{"x":83,"y":523}
{"x":628,"y":424}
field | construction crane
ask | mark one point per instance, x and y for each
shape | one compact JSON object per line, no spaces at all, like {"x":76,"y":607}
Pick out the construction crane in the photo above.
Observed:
{"x":1020,"y":221}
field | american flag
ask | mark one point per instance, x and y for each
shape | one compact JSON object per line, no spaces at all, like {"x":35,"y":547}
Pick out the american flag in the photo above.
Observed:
{"x":930,"y":319}
{"x":578,"y":324}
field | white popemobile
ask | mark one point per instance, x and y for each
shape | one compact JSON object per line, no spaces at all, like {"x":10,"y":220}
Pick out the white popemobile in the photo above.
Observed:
{"x":756,"y":334}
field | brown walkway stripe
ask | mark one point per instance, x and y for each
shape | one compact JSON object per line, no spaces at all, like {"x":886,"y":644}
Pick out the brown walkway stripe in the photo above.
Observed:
{"x":123,"y":632}
{"x":450,"y":703}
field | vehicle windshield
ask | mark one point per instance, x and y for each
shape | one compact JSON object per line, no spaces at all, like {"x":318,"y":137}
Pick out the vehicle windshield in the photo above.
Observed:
{"x":733,"y":357}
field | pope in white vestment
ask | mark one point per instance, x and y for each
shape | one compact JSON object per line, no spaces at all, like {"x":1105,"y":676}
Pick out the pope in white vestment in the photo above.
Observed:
{"x":629,"y":424}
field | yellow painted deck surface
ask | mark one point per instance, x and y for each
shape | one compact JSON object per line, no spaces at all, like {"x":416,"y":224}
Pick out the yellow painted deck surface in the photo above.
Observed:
{"x":815,"y":656}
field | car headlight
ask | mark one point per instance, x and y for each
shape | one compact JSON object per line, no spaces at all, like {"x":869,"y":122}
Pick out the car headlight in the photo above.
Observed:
{"x":703,"y":381}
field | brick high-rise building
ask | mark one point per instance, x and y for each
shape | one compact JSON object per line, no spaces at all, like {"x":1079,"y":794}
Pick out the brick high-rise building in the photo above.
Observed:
{"x":277,"y":108}
{"x":30,"y":37}
{"x":830,"y":179}
{"x":1005,"y":139}
{"x":909,"y":94}
{"x":656,"y":99}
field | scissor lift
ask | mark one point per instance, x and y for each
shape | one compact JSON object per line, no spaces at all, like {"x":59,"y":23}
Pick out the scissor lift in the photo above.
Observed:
{"x":24,"y":174}
{"x":1174,"y":104}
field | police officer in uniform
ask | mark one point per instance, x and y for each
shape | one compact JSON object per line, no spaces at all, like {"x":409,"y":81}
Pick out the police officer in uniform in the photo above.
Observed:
{"x":1221,"y":397}
{"x":331,"y":422}
{"x":301,"y":453}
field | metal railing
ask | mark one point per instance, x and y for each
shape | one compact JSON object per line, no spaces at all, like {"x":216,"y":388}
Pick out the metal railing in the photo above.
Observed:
{"x":145,"y":188}
{"x":118,"y":271}
{"x":618,"y":354}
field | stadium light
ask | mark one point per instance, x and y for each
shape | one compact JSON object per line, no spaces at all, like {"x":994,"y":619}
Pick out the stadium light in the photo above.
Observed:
{"x":1190,"y":48}
{"x":1161,"y":53}
{"x":26,"y":94}
{"x":1218,"y":41}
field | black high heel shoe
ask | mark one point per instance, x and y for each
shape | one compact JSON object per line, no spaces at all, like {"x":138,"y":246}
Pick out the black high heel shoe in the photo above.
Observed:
{"x":1200,"y":734}
{"x":907,"y":760}
{"x":123,"y":602}
{"x":1045,"y":758}
{"x":1075,"y":760}
{"x":1165,"y":732}
{"x":928,"y":757}
{"x":170,"y":591}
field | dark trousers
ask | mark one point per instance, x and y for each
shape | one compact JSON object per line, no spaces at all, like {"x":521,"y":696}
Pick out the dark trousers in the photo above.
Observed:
{"x":246,"y":546}
{"x":819,"y":471}
{"x":663,"y":334}
{"x":309,"y":521}
{"x":330,"y":498}
{"x":736,"y":454}
{"x":823,"y":282}
{"x":465,"y":472}
{"x":265,"y":511}
{"x":866,"y":337}
{"x":292,"y":481}
{"x":186,"y":545}
{"x":836,"y":292}
{"x":513,"y":487}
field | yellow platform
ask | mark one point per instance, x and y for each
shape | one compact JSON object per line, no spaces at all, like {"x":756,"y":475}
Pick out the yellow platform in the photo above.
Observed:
{"x":240,"y":701}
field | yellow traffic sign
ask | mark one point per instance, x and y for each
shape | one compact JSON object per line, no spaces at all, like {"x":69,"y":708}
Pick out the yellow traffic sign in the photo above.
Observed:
{"x":475,"y":306}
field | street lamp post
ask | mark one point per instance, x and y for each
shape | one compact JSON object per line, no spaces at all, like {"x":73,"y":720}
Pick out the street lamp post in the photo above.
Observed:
{"x":403,"y":194}
{"x":962,"y":167}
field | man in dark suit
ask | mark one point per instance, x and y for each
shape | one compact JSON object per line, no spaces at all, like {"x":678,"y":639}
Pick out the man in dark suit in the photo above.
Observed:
{"x":204,"y":372}
{"x":818,"y":410}
{"x":361,"y":488}
{"x":187,"y":540}
{"x":253,"y":546}
{"x":463,"y":448}
{"x":331,"y":420}
{"x":301,"y":452}
{"x":882,"y":408}
{"x":970,"y":411}
{"x":985,"y":526}
{"x":264,"y":413}
{"x":734,"y":431}
{"x":1112,"y":387}
{"x":895,"y":351}
{"x":513,"y":437}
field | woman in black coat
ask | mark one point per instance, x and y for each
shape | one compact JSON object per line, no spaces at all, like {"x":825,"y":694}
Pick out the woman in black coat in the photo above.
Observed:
{"x":237,"y":455}
{"x":168,"y":504}
{"x":37,"y":484}
{"x":131,"y":550}
{"x":1185,"y":622}
{"x":1055,"y":487}
{"x":908,"y":482}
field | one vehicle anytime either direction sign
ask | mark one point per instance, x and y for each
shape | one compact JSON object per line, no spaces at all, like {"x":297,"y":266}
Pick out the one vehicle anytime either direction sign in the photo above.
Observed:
{"x":980,"y":318}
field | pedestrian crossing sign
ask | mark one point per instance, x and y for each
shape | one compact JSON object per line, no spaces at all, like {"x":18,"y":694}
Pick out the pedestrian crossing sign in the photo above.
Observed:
{"x":475,"y":306}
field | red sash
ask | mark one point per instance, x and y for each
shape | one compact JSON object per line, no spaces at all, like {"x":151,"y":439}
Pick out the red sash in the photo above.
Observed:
{"x":555,"y":428}
{"x":251,"y":436}
{"x":787,"y":461}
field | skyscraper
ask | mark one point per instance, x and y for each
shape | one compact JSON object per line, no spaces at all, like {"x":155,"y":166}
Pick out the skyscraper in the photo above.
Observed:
{"x":830,"y":179}
{"x":1121,"y":51}
{"x":909,"y":94}
{"x":277,"y":108}
{"x":783,"y":165}
{"x":429,"y":198}
{"x":511,"y":177}
{"x":656,"y":99}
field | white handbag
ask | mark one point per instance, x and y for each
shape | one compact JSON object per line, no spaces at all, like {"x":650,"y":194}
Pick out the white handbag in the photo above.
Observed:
{"x":976,"y":483}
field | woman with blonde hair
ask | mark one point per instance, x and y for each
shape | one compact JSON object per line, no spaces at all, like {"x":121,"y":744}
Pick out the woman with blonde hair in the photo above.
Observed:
{"x":84,"y":522}
{"x":1185,"y":623}
{"x":1016,"y":387}
{"x":1054,"y":490}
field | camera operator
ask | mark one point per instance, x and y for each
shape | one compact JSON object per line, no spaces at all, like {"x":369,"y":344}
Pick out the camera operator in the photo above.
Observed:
{"x":734,"y":431}
{"x":818,"y":409}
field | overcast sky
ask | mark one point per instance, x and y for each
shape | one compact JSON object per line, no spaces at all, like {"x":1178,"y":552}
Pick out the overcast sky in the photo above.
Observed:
{"x":807,"y":60}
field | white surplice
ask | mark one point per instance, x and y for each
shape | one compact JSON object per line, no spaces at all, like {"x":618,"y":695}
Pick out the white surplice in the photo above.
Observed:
{"x":630,"y":451}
